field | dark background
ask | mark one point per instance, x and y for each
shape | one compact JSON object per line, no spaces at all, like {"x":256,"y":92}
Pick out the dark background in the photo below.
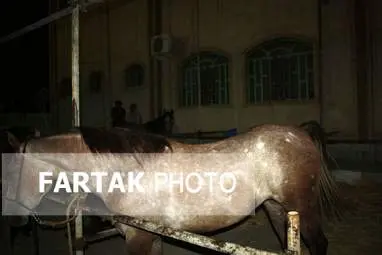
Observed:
{"x":24,"y":60}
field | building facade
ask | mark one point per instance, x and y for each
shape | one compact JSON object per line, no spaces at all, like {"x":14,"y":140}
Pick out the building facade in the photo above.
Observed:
{"x":232,"y":63}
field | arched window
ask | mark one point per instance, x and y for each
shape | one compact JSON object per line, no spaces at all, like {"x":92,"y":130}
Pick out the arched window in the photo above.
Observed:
{"x":280,"y":69}
{"x":205,"y":80}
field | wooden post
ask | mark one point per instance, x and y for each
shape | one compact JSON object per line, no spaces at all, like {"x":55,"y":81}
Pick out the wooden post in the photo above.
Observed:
{"x":293,"y":233}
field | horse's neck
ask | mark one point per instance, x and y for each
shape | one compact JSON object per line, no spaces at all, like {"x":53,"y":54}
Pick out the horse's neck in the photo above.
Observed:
{"x":91,"y":165}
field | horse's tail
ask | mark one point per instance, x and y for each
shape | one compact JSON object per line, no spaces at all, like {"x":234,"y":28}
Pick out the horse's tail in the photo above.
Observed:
{"x":319,"y":136}
{"x":330,"y":203}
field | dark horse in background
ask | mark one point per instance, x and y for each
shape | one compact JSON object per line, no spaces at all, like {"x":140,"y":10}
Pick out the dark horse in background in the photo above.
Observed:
{"x":282,"y":169}
{"x":162,"y":125}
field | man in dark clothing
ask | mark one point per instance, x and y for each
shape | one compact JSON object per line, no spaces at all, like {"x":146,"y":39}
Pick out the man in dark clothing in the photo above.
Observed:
{"x":118,"y":114}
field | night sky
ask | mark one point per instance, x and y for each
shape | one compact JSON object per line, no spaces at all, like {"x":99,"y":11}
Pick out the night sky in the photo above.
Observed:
{"x":24,"y":60}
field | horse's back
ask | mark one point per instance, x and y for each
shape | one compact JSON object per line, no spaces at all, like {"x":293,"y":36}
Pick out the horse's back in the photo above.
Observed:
{"x":99,"y":140}
{"x":292,"y":134}
{"x":274,"y":136}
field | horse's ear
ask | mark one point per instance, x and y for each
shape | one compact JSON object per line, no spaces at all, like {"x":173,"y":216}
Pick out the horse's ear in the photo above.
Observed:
{"x":13,"y":141}
{"x":172,"y":111}
{"x":164,"y":110}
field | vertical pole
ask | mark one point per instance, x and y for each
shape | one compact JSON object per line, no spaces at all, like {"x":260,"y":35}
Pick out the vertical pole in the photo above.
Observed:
{"x":157,"y":63}
{"x":294,"y":247}
{"x":150,"y":28}
{"x":75,"y":65}
{"x":108,"y":90}
{"x":319,"y":63}
{"x":197,"y":18}
{"x":76,"y":99}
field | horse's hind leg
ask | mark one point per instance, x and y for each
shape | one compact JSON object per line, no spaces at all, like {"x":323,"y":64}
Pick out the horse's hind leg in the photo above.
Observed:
{"x":277,"y":216}
{"x":310,"y":227}
{"x":312,"y":233}
{"x":139,"y":242}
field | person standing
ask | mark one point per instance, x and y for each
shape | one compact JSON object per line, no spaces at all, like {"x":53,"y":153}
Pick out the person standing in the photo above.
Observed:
{"x":118,"y":114}
{"x":134,"y":117}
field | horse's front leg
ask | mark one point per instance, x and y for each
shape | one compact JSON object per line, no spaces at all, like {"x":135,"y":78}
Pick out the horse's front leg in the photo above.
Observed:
{"x":140,"y":242}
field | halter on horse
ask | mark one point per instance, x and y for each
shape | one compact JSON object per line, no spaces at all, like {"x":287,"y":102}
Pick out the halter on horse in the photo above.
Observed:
{"x":277,"y":166}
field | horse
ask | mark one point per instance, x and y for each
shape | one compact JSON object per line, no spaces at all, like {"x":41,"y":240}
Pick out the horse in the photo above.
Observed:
{"x":279,"y":167}
{"x":162,"y":125}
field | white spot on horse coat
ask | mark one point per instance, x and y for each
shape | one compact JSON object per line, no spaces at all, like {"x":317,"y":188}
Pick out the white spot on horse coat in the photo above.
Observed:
{"x":260,"y":145}
{"x":291,"y":134}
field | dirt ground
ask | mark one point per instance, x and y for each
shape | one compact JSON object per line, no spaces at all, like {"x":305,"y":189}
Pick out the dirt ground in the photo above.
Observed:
{"x":360,"y":232}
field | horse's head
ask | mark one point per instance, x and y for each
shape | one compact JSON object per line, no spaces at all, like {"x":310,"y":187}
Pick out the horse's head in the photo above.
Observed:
{"x":9,"y":178}
{"x":169,"y":120}
{"x":18,"y":183}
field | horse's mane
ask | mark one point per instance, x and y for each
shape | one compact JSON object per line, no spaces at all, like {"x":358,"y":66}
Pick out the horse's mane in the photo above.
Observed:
{"x":118,"y":140}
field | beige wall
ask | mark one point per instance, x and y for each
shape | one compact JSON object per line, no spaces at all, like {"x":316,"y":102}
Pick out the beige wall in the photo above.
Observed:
{"x":339,"y":70}
{"x":232,"y":26}
{"x":376,"y":76}
{"x":128,"y":44}
{"x":237,"y":25}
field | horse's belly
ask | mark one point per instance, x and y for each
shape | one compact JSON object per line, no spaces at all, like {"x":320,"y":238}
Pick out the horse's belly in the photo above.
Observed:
{"x":206,"y":216}
{"x":202,"y":224}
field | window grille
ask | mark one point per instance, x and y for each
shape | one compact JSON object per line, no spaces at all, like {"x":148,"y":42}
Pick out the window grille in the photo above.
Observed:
{"x":280,"y":69}
{"x":205,"y":80}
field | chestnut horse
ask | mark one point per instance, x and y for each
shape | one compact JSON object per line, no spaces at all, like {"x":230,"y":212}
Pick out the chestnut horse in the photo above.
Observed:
{"x":279,"y":167}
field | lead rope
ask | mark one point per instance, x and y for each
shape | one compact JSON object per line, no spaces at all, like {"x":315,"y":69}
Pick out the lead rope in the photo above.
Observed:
{"x":69,"y":220}
{"x":77,"y":199}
